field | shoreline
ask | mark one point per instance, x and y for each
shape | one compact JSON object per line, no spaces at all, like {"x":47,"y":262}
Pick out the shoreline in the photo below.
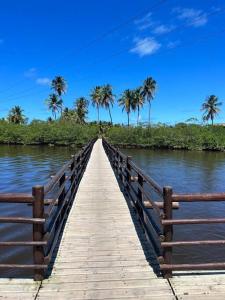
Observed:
{"x":117,"y":145}
{"x":150,"y":147}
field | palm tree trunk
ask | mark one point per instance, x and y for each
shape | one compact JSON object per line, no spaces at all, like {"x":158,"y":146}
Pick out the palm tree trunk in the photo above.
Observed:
{"x":149,"y":112}
{"x":98,"y":113}
{"x":110,"y":115}
{"x":138,"y":116}
{"x":212,"y":121}
{"x":128,"y":119}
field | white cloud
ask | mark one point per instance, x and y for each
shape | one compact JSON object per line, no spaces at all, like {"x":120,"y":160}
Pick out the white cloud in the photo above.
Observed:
{"x":193,"y":17}
{"x":173,"y":44}
{"x":144,"y":22}
{"x":162,"y":29}
{"x":43,"y":81}
{"x":145,"y":46}
{"x":30,"y":73}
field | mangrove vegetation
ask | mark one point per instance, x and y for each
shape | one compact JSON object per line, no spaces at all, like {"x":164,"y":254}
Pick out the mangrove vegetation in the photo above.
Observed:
{"x":70,"y":126}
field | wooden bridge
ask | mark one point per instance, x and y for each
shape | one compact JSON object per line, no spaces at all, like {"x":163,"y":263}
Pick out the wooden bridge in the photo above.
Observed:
{"x":110,"y":242}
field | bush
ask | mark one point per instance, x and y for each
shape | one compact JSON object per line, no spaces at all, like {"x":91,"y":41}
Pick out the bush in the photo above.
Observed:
{"x":180,"y":136}
{"x":57,"y":133}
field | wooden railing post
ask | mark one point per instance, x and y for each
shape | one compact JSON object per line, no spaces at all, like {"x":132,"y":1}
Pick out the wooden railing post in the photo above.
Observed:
{"x":72,"y":178}
{"x":128,"y":169}
{"x":82,"y":159}
{"x":117,"y":161}
{"x":62,"y":195}
{"x":121,"y":169}
{"x":140,"y":195}
{"x":168,"y":229}
{"x":38,"y":230}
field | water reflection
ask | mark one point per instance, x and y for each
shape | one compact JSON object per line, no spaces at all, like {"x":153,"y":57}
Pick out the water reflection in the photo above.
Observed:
{"x":20,"y":168}
{"x":190,"y":172}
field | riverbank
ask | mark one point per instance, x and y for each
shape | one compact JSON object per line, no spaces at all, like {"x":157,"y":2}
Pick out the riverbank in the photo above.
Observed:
{"x":59,"y":133}
{"x":47,"y":133}
{"x":181,"y":136}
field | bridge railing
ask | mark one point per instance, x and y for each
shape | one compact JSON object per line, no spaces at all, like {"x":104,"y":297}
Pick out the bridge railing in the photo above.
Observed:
{"x":159,"y":225}
{"x":50,"y":207}
{"x":139,"y":186}
{"x":169,"y":222}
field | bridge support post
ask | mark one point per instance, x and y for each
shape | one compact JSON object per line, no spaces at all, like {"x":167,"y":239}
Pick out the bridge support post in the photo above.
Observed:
{"x":168,"y":229}
{"x":38,"y":230}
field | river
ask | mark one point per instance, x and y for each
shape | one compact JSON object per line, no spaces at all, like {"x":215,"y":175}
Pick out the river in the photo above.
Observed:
{"x":21,"y":167}
{"x":190,"y":172}
{"x":24,"y":166}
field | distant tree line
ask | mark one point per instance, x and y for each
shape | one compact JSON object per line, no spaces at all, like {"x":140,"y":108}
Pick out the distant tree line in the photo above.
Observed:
{"x":131,"y":100}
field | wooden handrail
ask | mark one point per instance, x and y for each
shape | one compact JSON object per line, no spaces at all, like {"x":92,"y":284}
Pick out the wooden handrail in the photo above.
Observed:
{"x":138,"y":194}
{"x":55,"y":179}
{"x":22,"y":220}
{"x":190,"y":267}
{"x":16,"y":198}
{"x":136,"y":183}
{"x":47,"y":227}
{"x":192,"y":221}
{"x":192,"y":243}
{"x":198,"y":197}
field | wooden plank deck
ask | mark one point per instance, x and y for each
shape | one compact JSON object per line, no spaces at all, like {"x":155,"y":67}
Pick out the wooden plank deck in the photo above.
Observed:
{"x":199,"y":286}
{"x":101,"y":256}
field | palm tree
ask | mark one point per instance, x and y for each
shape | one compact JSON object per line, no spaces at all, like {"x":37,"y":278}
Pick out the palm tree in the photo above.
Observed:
{"x":81,"y":107}
{"x":127,"y":101}
{"x":59,"y":85}
{"x":16,"y":115}
{"x":138,"y":100}
{"x":54,"y":104}
{"x":149,"y":88}
{"x":211,"y":108}
{"x":107,"y":98}
{"x":96,"y":98}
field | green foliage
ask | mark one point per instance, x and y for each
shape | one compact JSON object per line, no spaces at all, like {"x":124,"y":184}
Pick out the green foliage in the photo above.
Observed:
{"x":41,"y":132}
{"x":59,"y":85}
{"x":81,"y":108}
{"x":211,"y":108}
{"x":16,"y":115}
{"x":54,"y":104}
{"x":180,"y":136}
{"x":70,"y":115}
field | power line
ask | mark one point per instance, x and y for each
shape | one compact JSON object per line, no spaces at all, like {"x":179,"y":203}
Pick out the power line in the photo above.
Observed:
{"x":127,"y":22}
{"x":100,"y":37}
{"x":127,"y":49}
{"x":189,"y":43}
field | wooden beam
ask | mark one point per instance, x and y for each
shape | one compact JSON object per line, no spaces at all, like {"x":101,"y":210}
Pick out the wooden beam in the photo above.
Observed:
{"x":192,"y":221}
{"x":160,"y":204}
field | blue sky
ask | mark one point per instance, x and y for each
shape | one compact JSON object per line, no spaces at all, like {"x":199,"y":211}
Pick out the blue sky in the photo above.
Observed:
{"x":179,"y":43}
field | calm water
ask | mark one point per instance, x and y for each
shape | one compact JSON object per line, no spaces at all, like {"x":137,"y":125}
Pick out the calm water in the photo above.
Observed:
{"x":20,"y":168}
{"x":23,"y":166}
{"x":190,"y":172}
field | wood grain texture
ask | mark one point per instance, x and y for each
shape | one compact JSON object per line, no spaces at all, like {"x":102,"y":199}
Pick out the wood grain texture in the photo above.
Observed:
{"x":101,"y":255}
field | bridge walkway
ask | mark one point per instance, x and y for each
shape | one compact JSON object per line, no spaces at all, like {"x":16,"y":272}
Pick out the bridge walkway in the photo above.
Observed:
{"x":102,"y":254}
